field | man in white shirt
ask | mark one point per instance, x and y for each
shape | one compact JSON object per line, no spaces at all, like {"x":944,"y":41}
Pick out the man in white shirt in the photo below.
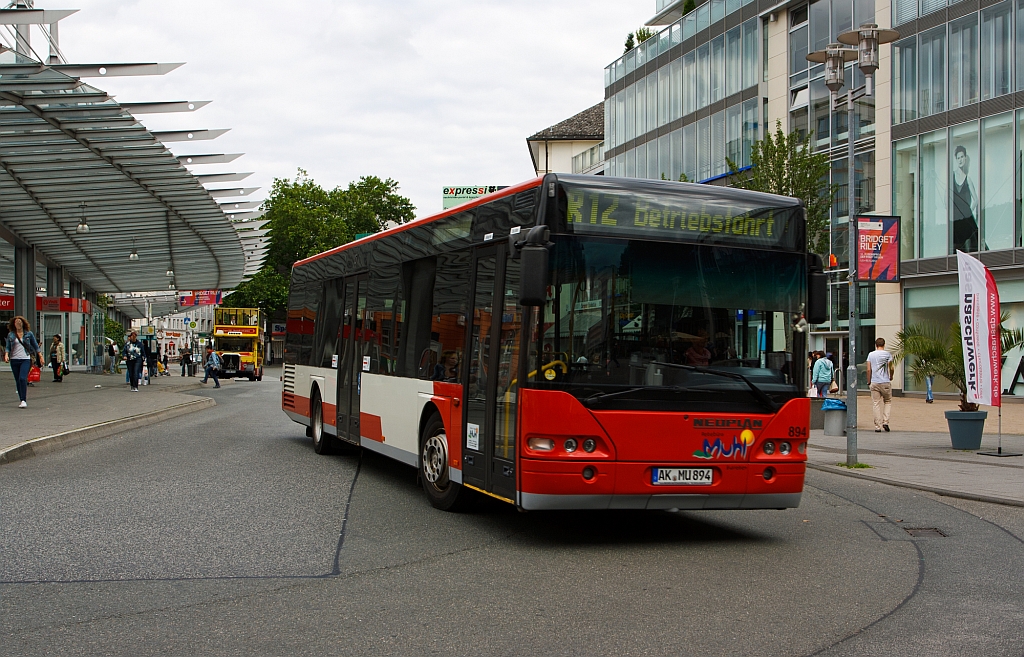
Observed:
{"x":880,"y":367}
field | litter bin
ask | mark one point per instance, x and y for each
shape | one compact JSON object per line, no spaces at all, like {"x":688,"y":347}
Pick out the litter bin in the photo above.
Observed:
{"x":835,"y":417}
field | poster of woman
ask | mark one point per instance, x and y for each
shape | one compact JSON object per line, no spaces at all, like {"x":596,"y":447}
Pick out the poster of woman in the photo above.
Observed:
{"x":965,"y":203}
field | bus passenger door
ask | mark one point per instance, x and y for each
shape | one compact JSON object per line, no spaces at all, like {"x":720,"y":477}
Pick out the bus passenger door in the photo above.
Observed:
{"x":345,"y":358}
{"x":489,"y":435}
{"x":361,"y":344}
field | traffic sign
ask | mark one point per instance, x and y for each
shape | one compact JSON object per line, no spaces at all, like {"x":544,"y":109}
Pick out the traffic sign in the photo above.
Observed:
{"x":193,"y":325}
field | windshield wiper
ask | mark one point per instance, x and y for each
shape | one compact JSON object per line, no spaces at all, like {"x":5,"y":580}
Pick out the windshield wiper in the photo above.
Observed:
{"x":757,"y":392}
{"x":601,"y":396}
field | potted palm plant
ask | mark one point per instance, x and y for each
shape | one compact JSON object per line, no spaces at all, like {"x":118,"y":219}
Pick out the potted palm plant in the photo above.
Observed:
{"x":931,"y":350}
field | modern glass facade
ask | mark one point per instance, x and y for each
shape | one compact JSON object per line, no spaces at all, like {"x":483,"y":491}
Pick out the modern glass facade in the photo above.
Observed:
{"x":685,"y":100}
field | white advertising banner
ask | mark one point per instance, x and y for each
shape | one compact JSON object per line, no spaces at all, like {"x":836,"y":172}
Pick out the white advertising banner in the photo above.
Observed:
{"x":979,"y":327}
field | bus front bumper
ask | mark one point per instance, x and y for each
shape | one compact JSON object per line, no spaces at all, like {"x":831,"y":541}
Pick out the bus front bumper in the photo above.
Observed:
{"x":558,"y":484}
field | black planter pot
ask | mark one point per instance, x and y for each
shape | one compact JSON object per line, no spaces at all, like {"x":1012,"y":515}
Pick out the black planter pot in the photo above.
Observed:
{"x":966,"y":428}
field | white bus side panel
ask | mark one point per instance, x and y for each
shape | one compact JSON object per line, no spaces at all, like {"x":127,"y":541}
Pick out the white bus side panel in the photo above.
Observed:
{"x":390,"y":409}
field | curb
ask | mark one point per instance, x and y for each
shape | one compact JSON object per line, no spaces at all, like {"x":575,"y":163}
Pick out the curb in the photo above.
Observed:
{"x":945,"y":492}
{"x":59,"y":441}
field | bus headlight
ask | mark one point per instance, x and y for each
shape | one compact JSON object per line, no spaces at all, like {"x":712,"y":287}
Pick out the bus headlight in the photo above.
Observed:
{"x":589,"y":445}
{"x":769,"y":448}
{"x":785,"y":448}
{"x":570,"y":445}
{"x":541,"y":444}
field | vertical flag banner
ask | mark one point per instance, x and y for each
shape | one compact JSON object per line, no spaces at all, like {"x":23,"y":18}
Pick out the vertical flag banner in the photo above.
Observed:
{"x":878,"y":249}
{"x":979,"y":328}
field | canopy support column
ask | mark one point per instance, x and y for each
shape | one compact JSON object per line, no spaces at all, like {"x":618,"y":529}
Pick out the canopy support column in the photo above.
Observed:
{"x":25,"y":282}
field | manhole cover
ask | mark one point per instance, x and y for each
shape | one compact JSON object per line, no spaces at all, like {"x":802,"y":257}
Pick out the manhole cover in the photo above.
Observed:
{"x":924,"y":532}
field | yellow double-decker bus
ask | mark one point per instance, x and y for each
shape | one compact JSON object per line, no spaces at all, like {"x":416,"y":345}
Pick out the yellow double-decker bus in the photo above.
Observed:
{"x":238,"y":339}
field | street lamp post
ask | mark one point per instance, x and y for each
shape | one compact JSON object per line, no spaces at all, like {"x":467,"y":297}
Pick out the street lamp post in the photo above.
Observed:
{"x":866,"y":38}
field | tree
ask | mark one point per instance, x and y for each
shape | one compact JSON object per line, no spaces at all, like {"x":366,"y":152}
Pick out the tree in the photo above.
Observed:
{"x":785,"y":164}
{"x":305,"y":219}
{"x":630,"y":43}
{"x":689,"y":6}
{"x":266,"y":290}
{"x":643,"y":34}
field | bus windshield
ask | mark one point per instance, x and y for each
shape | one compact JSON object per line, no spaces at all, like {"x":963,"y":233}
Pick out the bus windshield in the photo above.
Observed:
{"x":235,"y":344}
{"x":636,"y":324}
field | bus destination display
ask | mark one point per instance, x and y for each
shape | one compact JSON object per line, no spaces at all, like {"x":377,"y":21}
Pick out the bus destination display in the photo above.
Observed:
{"x":679,"y":217}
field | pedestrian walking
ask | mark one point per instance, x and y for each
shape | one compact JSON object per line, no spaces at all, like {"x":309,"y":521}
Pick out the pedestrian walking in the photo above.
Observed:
{"x":880,"y":368}
{"x":821,"y":374}
{"x":165,"y":371}
{"x":184,"y":360}
{"x":212,"y":366}
{"x":57,"y":358}
{"x":134,"y":355}
{"x":22,"y":350}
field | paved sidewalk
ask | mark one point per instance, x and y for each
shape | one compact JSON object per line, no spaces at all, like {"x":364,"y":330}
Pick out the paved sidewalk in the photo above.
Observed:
{"x":917,"y":453}
{"x":83,"y":400}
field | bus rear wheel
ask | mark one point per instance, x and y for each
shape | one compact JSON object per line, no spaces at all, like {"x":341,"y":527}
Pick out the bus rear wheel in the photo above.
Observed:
{"x":321,"y":441}
{"x":442,"y":492}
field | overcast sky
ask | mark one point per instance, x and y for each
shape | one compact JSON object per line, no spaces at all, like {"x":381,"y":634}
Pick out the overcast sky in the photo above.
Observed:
{"x":430,"y":93}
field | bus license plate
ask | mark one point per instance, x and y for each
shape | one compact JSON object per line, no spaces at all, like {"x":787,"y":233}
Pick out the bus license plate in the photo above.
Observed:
{"x":683,"y":476}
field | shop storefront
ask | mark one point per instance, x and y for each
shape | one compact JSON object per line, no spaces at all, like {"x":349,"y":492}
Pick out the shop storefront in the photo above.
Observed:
{"x":73,"y":320}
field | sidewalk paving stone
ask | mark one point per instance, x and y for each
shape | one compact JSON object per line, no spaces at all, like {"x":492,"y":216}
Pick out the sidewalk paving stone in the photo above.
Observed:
{"x":56,"y":408}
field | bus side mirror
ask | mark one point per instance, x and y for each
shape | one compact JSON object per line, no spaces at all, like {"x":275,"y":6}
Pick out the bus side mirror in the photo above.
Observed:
{"x":817,"y":291}
{"x":533,"y":277}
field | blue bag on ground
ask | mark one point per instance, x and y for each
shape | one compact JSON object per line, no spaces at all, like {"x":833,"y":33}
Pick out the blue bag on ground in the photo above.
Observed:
{"x":833,"y":405}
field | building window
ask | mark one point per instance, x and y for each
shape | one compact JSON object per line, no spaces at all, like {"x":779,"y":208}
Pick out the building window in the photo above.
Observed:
{"x":652,"y":101}
{"x":963,"y":186}
{"x":718,"y":144}
{"x":704,"y":148}
{"x":996,"y":51}
{"x":963,"y":61}
{"x":664,"y":158}
{"x":1020,"y":45}
{"x":641,"y":161}
{"x":704,"y":74}
{"x":997,"y":182}
{"x":750,"y":53}
{"x":734,"y":134}
{"x":664,"y":98}
{"x":734,"y":60}
{"x":904,"y":202}
{"x":717,"y":68}
{"x":904,"y":83}
{"x":928,"y":6}
{"x":677,"y":155}
{"x":932,"y":71}
{"x":675,"y":88}
{"x":903,"y":11}
{"x":934,"y":195}
{"x":652,"y":159}
{"x":641,"y":106}
{"x":689,"y":83}
{"x":750,"y":128}
{"x":690,"y":151}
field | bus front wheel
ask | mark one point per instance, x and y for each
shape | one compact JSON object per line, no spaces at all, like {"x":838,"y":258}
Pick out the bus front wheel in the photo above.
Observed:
{"x":442,"y":492}
{"x":321,"y":441}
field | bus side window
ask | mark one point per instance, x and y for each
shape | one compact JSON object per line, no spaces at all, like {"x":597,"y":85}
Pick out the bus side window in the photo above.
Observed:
{"x":418,"y":288}
{"x":448,"y":320}
{"x":328,"y":317}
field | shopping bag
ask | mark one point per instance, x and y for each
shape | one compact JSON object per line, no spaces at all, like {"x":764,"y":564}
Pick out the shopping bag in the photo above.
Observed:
{"x":812,"y":391}
{"x":64,"y":371}
{"x":34,"y":373}
{"x":834,"y":388}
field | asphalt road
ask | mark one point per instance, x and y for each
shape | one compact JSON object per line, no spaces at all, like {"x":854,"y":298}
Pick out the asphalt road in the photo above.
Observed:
{"x":223,"y":533}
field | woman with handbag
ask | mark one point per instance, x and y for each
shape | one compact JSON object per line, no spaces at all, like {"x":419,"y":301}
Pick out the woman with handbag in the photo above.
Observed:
{"x":57,"y":359}
{"x":821,"y":374}
{"x":22,"y":352}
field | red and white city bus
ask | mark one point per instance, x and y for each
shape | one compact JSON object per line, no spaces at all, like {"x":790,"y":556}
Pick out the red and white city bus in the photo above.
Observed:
{"x":572,"y":342}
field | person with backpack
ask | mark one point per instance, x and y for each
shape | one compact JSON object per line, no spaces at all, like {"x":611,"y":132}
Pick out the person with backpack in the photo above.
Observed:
{"x":134,"y":356}
{"x":821,"y":374}
{"x":22,"y":350}
{"x":212,"y":366}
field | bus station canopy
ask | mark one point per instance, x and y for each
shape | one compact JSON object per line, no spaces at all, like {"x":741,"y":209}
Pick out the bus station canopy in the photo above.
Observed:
{"x":70,"y":154}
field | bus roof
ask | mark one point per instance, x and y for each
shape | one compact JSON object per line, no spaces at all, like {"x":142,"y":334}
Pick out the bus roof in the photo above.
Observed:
{"x":501,"y":193}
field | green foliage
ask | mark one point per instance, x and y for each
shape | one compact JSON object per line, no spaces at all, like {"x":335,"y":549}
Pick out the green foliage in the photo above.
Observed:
{"x":643,"y":34}
{"x":932,"y":350}
{"x":630,"y":43}
{"x":305,"y":219}
{"x":785,"y":164}
{"x":114,"y":331}
{"x":857,"y":465}
{"x":266,"y":290}
{"x":689,"y":6}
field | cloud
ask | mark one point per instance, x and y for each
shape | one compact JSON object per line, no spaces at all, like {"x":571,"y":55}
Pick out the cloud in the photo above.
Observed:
{"x":428,"y":93}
